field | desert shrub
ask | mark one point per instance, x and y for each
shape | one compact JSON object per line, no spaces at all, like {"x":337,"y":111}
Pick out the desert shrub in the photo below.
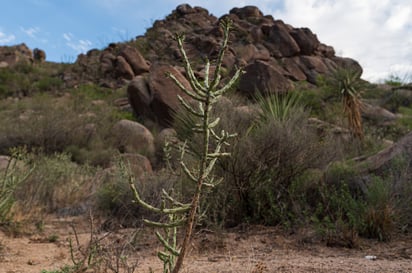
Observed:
{"x":397,"y":177}
{"x":380,"y":210}
{"x":48,"y":84}
{"x":343,"y":172}
{"x":56,"y":185}
{"x":339,"y":216}
{"x":267,"y":158}
{"x":115,"y":200}
{"x":25,"y":79}
{"x":15,"y":174}
{"x":57,"y":124}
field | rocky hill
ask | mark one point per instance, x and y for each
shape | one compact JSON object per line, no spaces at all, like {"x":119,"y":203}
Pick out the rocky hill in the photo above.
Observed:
{"x":273,"y":54}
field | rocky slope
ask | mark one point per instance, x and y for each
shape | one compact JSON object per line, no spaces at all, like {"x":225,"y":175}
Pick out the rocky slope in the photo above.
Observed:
{"x":273,"y":54}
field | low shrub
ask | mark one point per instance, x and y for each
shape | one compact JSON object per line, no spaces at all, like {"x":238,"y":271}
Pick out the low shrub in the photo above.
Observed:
{"x":57,"y":185}
{"x":267,"y":158}
{"x":59,"y":124}
{"x":339,"y":215}
{"x":15,"y":173}
{"x":114,"y":199}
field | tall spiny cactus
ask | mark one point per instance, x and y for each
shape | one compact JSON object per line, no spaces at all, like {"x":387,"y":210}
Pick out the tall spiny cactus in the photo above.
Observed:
{"x":205,"y":92}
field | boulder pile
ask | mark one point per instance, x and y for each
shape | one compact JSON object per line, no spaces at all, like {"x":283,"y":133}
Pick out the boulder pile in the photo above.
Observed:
{"x":273,"y":55}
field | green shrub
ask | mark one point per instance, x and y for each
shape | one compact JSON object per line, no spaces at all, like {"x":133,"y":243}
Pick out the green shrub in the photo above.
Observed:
{"x":10,"y":179}
{"x":266,"y":160}
{"x":380,"y":210}
{"x":115,"y":200}
{"x":339,"y":216}
{"x":56,"y":185}
{"x":25,"y":79}
{"x":57,"y":124}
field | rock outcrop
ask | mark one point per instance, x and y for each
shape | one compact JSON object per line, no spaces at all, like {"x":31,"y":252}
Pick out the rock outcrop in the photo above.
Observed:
{"x":273,"y":54}
{"x":12,"y":55}
{"x":39,"y":55}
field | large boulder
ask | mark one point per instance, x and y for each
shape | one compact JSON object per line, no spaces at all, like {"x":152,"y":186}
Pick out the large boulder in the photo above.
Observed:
{"x":280,"y":42}
{"x":123,"y":68}
{"x":39,"y":55}
{"x":136,"y":61}
{"x":306,"y":40}
{"x":312,"y":67}
{"x":138,"y":164}
{"x":107,"y":62}
{"x":165,"y":102}
{"x":132,"y":137}
{"x":293,"y":66}
{"x":247,"y":12}
{"x":140,"y":96}
{"x":263,"y":77}
{"x":377,"y":114}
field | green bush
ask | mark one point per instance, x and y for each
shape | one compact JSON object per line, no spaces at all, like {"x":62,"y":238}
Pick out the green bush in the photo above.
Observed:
{"x":56,"y":185}
{"x":267,"y":158}
{"x":57,"y":124}
{"x":25,"y":79}
{"x":114,"y":199}
{"x":11,"y":178}
{"x":339,"y":216}
{"x":380,"y":210}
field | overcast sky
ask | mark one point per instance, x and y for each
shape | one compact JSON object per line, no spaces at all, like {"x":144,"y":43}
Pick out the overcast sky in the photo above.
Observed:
{"x":377,"y":33}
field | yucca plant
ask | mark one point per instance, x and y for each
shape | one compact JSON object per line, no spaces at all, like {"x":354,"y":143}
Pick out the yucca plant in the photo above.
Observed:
{"x":347,"y":82}
{"x":204,"y":93}
{"x":278,"y":107}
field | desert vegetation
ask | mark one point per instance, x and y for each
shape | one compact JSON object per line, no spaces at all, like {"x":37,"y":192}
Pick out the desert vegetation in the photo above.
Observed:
{"x":299,"y":159}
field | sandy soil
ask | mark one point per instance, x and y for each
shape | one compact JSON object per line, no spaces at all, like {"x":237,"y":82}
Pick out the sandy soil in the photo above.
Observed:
{"x":252,"y":250}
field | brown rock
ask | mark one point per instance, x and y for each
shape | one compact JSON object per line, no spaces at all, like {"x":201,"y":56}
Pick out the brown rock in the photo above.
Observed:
{"x":306,"y":40}
{"x":165,"y":91}
{"x":136,"y":61}
{"x":184,"y":9}
{"x":263,"y":77}
{"x":348,"y":63}
{"x":140,"y":96}
{"x":281,"y":43}
{"x":312,"y":67}
{"x":39,"y":55}
{"x":107,"y":61}
{"x":292,"y":66}
{"x":139,"y":165}
{"x":4,"y":162}
{"x":247,"y":12}
{"x":132,"y":137}
{"x":13,"y":55}
{"x":123,"y":69}
{"x":377,"y":114}
{"x":382,"y":160}
{"x":325,"y":51}
{"x":315,"y":63}
{"x":249,"y":53}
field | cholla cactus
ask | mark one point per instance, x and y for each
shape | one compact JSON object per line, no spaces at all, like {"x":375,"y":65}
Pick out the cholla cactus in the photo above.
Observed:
{"x":205,"y":92}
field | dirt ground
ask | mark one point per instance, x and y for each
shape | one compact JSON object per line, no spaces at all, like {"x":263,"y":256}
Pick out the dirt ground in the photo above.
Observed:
{"x":253,"y":249}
